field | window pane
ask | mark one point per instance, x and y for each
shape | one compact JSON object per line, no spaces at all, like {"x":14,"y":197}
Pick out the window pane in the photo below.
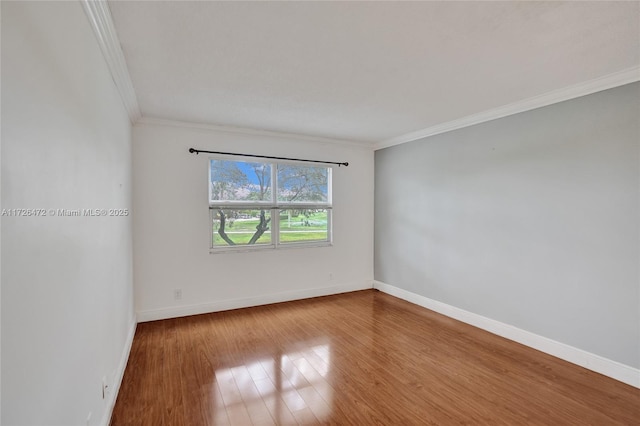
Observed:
{"x":239,"y":181}
{"x":240,"y":227}
{"x":303,"y":184}
{"x":307,"y":225}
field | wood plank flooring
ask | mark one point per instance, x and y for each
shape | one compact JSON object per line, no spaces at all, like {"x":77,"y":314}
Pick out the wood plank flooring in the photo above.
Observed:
{"x":362,"y":358}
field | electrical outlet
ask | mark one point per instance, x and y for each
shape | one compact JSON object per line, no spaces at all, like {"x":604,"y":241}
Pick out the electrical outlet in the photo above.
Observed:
{"x":177,"y":294}
{"x":330,"y":277}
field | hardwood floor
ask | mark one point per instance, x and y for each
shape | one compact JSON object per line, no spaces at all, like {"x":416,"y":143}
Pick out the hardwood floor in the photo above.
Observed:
{"x":362,"y":358}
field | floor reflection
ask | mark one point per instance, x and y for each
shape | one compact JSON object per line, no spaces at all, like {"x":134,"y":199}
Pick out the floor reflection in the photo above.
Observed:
{"x":287,"y":388}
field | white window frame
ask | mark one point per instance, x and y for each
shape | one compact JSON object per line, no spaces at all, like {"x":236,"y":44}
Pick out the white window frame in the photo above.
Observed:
{"x":274,"y":206}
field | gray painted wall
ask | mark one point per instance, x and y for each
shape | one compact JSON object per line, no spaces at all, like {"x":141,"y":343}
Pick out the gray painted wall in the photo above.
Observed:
{"x":532,"y":220}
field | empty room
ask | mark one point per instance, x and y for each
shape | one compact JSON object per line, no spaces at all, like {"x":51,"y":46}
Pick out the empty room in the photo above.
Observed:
{"x":319,"y":212}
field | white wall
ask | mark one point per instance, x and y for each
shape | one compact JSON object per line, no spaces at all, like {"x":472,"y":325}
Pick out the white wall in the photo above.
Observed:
{"x":171,"y":227}
{"x":0,"y":230}
{"x":532,"y":220}
{"x":67,"y":293}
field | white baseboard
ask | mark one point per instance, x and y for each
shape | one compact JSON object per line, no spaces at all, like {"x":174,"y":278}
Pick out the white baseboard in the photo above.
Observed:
{"x":225,"y":305}
{"x":117,"y":379}
{"x":607,"y":367}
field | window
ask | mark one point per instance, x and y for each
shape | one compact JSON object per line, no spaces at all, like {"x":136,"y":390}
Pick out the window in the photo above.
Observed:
{"x":268,"y":204}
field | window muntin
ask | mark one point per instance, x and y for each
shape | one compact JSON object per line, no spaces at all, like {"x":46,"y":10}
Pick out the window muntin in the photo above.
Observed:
{"x":268,"y":204}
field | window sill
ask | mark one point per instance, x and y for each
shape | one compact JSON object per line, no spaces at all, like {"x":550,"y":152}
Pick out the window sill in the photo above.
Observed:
{"x":288,"y":246}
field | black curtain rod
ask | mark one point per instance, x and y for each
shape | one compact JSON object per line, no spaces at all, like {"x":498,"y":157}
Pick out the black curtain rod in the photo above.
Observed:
{"x":198,"y":151}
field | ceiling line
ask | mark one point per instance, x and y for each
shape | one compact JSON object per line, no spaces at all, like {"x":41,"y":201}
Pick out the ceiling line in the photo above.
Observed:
{"x":147,"y":120}
{"x":609,"y":81}
{"x":101,"y":22}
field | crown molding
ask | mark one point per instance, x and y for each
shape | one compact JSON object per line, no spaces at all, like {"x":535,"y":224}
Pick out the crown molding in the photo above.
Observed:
{"x":609,"y":81}
{"x":155,"y":121}
{"x":99,"y":16}
{"x":101,"y":22}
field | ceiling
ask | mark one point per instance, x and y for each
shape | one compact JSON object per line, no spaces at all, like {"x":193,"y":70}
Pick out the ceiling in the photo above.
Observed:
{"x":363,"y":71}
